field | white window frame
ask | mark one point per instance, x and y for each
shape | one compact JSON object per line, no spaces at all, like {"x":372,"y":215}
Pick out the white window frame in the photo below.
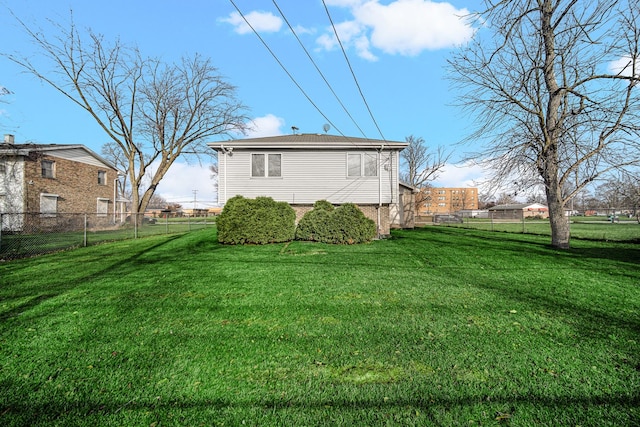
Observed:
{"x":268,"y":170}
{"x":363,"y":162}
{"x":102,"y":174}
{"x":47,"y":199}
{"x":104,"y":203}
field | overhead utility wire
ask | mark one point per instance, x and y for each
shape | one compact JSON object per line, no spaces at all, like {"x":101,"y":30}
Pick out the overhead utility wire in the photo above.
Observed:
{"x":285,"y":69}
{"x":351,"y":69}
{"x":317,"y":68}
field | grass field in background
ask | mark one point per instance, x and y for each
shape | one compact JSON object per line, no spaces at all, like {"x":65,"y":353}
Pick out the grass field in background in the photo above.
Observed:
{"x":19,"y":245}
{"x":594,"y":228}
{"x":435,"y":326}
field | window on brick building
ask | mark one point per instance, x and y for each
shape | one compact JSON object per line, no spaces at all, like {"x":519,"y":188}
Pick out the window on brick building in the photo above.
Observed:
{"x":48,"y":204}
{"x":48,"y":169}
{"x":102,"y":178}
{"x":103,"y":207}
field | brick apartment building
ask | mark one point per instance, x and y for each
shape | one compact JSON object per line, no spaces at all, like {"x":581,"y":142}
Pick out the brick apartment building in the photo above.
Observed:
{"x":51,"y":179}
{"x":446,"y":200}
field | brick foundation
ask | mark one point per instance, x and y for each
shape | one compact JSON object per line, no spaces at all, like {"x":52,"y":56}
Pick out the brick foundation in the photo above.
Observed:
{"x":370,"y":211}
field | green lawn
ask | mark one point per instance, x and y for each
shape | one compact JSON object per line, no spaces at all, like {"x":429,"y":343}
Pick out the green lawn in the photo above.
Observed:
{"x":595,"y":228}
{"x":436,"y":326}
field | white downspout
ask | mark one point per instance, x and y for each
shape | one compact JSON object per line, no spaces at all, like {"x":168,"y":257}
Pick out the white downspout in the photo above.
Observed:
{"x":225,"y":176}
{"x":225,"y":152}
{"x":380,"y":189}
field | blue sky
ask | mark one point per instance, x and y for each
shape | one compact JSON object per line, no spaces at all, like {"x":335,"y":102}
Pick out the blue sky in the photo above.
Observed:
{"x":397,"y":50}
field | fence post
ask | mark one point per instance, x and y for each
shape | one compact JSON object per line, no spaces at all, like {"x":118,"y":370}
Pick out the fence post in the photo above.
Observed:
{"x":1,"y":223}
{"x":135,"y":225}
{"x":189,"y":222}
{"x":166,"y":223}
{"x":85,"y":230}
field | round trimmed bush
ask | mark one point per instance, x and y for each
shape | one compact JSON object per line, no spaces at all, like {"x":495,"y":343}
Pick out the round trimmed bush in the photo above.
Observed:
{"x":345,"y":224}
{"x":255,"y":221}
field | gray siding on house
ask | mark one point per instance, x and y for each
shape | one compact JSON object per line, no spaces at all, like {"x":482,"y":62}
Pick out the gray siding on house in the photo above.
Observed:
{"x":78,"y":155}
{"x":308,"y":176}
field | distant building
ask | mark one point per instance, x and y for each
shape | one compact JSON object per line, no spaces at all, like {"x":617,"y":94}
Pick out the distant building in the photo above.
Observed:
{"x":447,"y":200}
{"x":51,"y":179}
{"x":519,"y":211}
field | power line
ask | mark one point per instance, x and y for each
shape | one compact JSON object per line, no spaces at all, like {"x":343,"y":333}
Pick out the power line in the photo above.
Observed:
{"x":317,"y":68}
{"x":285,"y":69}
{"x":351,"y":69}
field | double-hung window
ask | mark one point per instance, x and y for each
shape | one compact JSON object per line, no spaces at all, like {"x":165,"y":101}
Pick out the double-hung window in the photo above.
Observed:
{"x":362,"y":164}
{"x":102,"y":178}
{"x":266,"y":165}
{"x":48,"y":169}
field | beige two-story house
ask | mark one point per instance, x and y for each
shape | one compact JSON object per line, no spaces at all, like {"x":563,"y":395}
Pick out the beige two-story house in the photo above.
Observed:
{"x":46,"y":180}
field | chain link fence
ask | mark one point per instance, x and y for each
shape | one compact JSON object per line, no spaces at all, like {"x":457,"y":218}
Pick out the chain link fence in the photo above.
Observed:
{"x":29,"y":234}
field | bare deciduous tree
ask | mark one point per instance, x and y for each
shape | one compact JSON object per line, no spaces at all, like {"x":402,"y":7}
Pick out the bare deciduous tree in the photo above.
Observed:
{"x":419,"y":166}
{"x":551,"y":106}
{"x":152,"y":111}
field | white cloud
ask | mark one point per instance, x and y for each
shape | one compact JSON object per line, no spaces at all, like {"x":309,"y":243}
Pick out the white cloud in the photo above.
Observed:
{"x":402,"y":27}
{"x":269,"y":125}
{"x":182,"y":179}
{"x":464,"y":175}
{"x":262,"y":22}
{"x":299,"y":29}
{"x":623,"y":66}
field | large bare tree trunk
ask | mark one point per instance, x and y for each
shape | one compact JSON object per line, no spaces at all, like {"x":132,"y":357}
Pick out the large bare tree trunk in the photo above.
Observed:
{"x":554,"y":88}
{"x":560,"y":228}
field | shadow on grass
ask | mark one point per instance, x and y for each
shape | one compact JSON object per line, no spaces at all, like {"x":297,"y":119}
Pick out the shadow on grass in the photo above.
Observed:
{"x":607,"y":410}
{"x":63,"y":284}
{"x":525,"y":243}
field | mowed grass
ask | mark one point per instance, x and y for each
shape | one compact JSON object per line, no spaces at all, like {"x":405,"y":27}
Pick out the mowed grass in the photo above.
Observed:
{"x":593,"y":228}
{"x":436,"y":326}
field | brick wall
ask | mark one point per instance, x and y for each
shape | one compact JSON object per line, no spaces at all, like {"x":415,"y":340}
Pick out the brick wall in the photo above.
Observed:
{"x":75,"y":183}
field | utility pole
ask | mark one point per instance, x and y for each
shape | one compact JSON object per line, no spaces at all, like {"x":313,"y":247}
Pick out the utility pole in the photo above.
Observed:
{"x":195,"y":202}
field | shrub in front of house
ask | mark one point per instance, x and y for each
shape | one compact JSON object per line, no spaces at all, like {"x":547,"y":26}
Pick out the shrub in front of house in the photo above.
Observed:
{"x":315,"y":225}
{"x":255,"y":221}
{"x":345,"y":224}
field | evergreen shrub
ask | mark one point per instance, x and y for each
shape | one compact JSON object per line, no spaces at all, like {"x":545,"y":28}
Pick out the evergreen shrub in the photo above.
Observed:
{"x":345,"y":224}
{"x":256,"y":221}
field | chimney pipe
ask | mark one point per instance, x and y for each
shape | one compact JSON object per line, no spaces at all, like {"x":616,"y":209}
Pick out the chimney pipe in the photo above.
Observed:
{"x":9,"y":139}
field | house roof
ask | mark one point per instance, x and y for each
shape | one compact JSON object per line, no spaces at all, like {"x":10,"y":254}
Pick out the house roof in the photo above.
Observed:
{"x":517,"y":207}
{"x":25,"y":149}
{"x":310,"y":141}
